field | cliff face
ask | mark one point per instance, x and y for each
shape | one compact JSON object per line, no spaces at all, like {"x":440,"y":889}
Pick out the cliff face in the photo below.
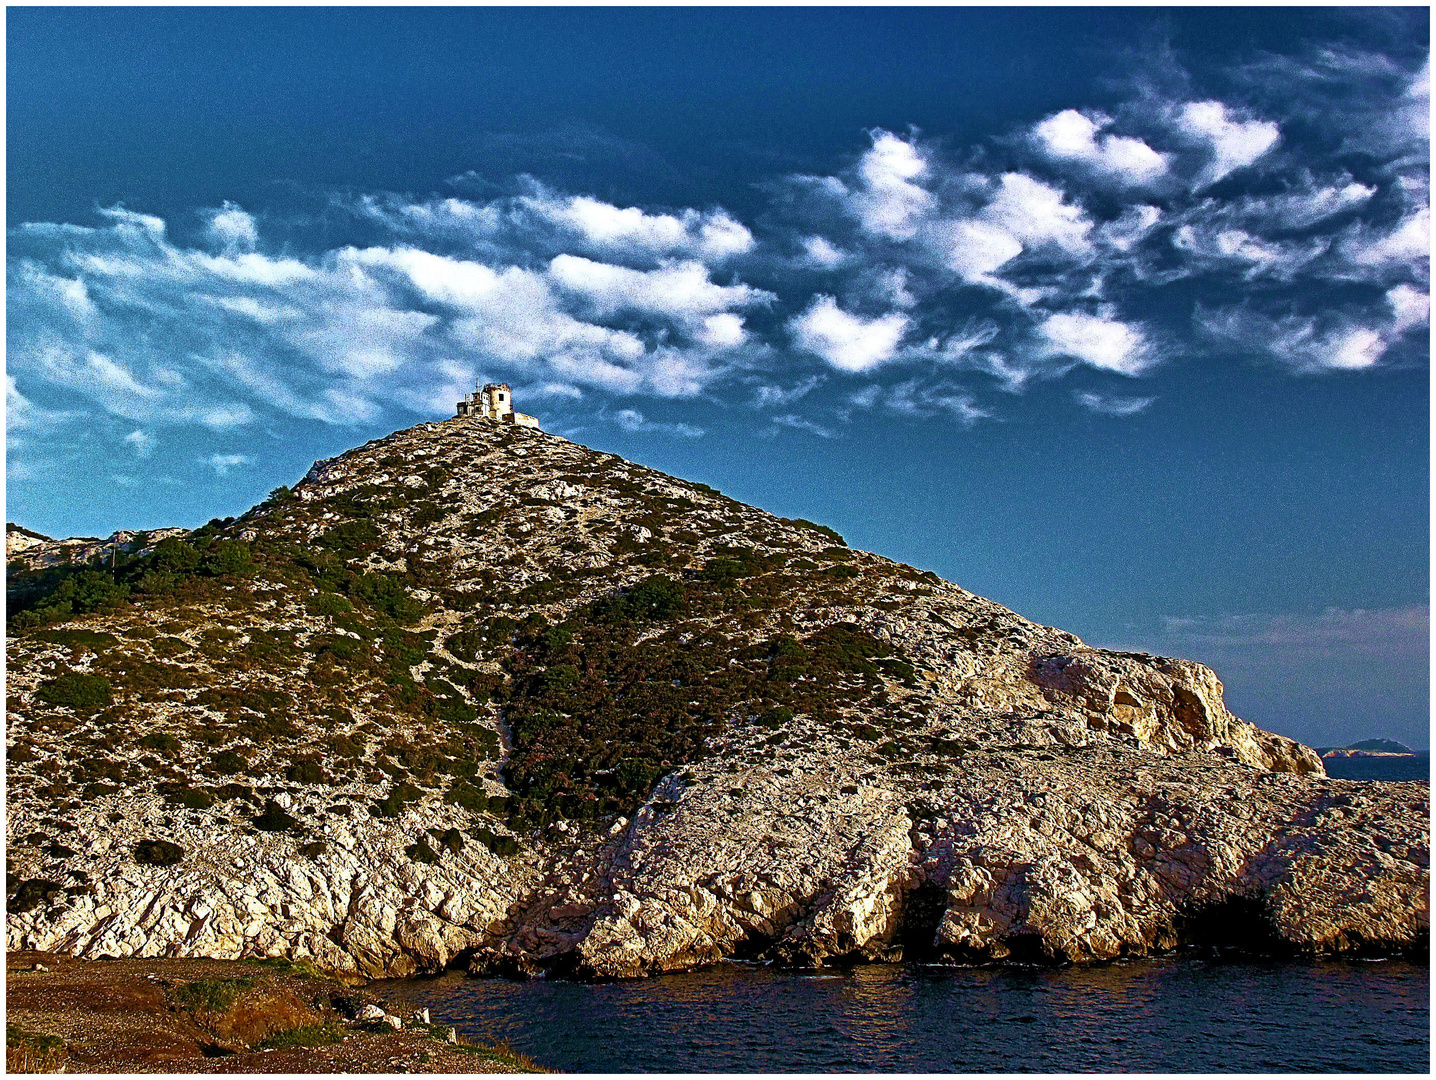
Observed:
{"x":476,"y":694}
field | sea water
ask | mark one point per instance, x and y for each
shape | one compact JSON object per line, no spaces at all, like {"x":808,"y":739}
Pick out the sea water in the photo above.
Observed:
{"x":1190,"y":1012}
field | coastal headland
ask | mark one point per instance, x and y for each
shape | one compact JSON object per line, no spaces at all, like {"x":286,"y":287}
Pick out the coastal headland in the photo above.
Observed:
{"x":473,"y":695}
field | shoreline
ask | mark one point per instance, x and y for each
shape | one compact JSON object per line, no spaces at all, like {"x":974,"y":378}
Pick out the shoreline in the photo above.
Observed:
{"x":219,"y":1016}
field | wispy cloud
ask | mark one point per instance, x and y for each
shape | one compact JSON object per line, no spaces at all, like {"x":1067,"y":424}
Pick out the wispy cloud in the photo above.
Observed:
{"x":1379,"y":630}
{"x":1112,"y":405}
{"x":141,"y":442}
{"x":224,"y":464}
{"x":634,"y":421}
{"x":1233,"y":219}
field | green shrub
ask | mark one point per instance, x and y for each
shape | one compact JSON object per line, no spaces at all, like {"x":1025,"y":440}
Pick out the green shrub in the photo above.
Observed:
{"x":384,"y":594}
{"x":274,"y":819}
{"x":229,"y":762}
{"x":76,"y":689}
{"x":91,"y":639}
{"x":328,"y":603}
{"x":192,"y":799}
{"x":30,"y":1052}
{"x":30,"y":894}
{"x":306,"y":772}
{"x":452,"y":839}
{"x":421,"y":852}
{"x":228,"y":558}
{"x":803,"y":523}
{"x":400,"y":795}
{"x":210,"y":994}
{"x":326,"y":1034}
{"x":468,"y":796}
{"x":158,"y":853}
{"x":160,"y":740}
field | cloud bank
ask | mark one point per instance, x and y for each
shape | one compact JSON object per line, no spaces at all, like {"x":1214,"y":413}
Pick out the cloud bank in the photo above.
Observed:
{"x":1282,"y":218}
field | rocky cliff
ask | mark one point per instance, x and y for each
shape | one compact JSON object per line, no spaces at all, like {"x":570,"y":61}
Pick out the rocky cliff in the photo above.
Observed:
{"x":478,"y":695}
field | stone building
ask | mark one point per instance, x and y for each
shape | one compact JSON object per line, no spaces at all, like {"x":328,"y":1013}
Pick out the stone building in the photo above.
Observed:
{"x":495,"y":402}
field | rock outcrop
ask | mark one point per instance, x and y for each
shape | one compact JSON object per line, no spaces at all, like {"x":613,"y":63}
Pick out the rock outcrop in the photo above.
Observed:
{"x":480,"y":696}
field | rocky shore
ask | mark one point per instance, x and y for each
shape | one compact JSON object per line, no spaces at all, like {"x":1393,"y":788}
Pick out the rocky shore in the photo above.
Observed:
{"x":483,"y":698}
{"x":203,"y":1016}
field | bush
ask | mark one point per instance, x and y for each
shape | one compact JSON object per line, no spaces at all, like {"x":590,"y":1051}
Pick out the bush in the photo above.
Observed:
{"x":158,"y":853}
{"x":76,"y":689}
{"x":812,"y":526}
{"x":228,"y":558}
{"x":468,"y":796}
{"x":29,"y":1052}
{"x":192,"y":799}
{"x":229,"y":762}
{"x":215,"y":995}
{"x":306,"y":772}
{"x":326,"y":1034}
{"x":274,"y":819}
{"x":384,"y":594}
{"x":31,"y":894}
{"x":328,"y":603}
{"x":421,"y":852}
{"x":392,"y":805}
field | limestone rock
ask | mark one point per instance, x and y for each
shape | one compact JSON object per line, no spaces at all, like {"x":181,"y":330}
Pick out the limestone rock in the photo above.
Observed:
{"x":980,"y":786}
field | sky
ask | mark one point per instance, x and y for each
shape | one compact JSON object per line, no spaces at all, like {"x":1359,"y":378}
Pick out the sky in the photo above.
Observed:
{"x":1119,"y":317}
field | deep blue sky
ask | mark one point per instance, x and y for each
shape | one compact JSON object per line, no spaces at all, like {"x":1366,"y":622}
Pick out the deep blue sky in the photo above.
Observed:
{"x":1115,"y":316}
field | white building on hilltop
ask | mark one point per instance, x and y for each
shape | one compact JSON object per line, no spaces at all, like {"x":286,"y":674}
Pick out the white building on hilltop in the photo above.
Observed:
{"x":495,"y":402}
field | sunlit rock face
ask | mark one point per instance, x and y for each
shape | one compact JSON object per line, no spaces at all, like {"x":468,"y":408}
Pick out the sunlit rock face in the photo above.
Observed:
{"x":475,"y":695}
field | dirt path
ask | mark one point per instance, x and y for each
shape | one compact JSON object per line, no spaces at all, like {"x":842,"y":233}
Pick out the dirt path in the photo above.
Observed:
{"x":214,"y":1016}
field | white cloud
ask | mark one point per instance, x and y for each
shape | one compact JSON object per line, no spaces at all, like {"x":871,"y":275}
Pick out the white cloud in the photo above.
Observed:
{"x":1099,"y":340}
{"x":975,"y":249}
{"x":1073,"y":136}
{"x":1379,"y":630}
{"x":772,"y":396}
{"x":1303,"y":207}
{"x":683,"y":291}
{"x":1239,"y":248}
{"x":1407,"y":246}
{"x":1133,"y":226}
{"x":233,"y":229}
{"x":1110,"y":405}
{"x":634,"y":421}
{"x":923,"y":400}
{"x":888,"y":203}
{"x":1305,"y":345}
{"x":1410,"y":306}
{"x":847,"y":342}
{"x":713,"y":236}
{"x":223,"y":464}
{"x":141,"y":442}
{"x":1037,"y":213}
{"x":797,"y":423}
{"x":819,"y":253}
{"x":1231,"y":143}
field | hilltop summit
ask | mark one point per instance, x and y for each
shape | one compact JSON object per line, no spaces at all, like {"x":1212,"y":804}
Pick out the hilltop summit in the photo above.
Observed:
{"x":474,"y":693}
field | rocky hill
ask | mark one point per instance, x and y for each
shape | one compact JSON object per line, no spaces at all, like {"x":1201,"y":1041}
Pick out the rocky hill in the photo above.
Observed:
{"x":475,"y":694}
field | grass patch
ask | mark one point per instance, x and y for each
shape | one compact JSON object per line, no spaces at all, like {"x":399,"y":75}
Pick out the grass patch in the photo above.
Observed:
{"x":213,"y":995}
{"x":326,"y":1034}
{"x":31,"y":1052}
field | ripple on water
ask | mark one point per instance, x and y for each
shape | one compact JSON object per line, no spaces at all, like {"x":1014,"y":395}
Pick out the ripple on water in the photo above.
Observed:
{"x":1179,"y":1014}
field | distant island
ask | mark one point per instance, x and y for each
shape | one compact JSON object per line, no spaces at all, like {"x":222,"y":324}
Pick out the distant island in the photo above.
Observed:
{"x":1376,"y":759}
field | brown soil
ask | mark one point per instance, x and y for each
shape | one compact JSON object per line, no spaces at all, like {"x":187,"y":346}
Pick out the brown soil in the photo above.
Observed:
{"x":210,"y":1016}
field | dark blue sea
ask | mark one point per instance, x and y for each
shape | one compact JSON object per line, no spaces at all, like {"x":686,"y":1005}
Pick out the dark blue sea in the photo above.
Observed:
{"x":1415,"y":767}
{"x":1185,"y":1013}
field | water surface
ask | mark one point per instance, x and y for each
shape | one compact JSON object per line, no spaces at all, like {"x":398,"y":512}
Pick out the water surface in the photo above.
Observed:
{"x":1190,"y":1013}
